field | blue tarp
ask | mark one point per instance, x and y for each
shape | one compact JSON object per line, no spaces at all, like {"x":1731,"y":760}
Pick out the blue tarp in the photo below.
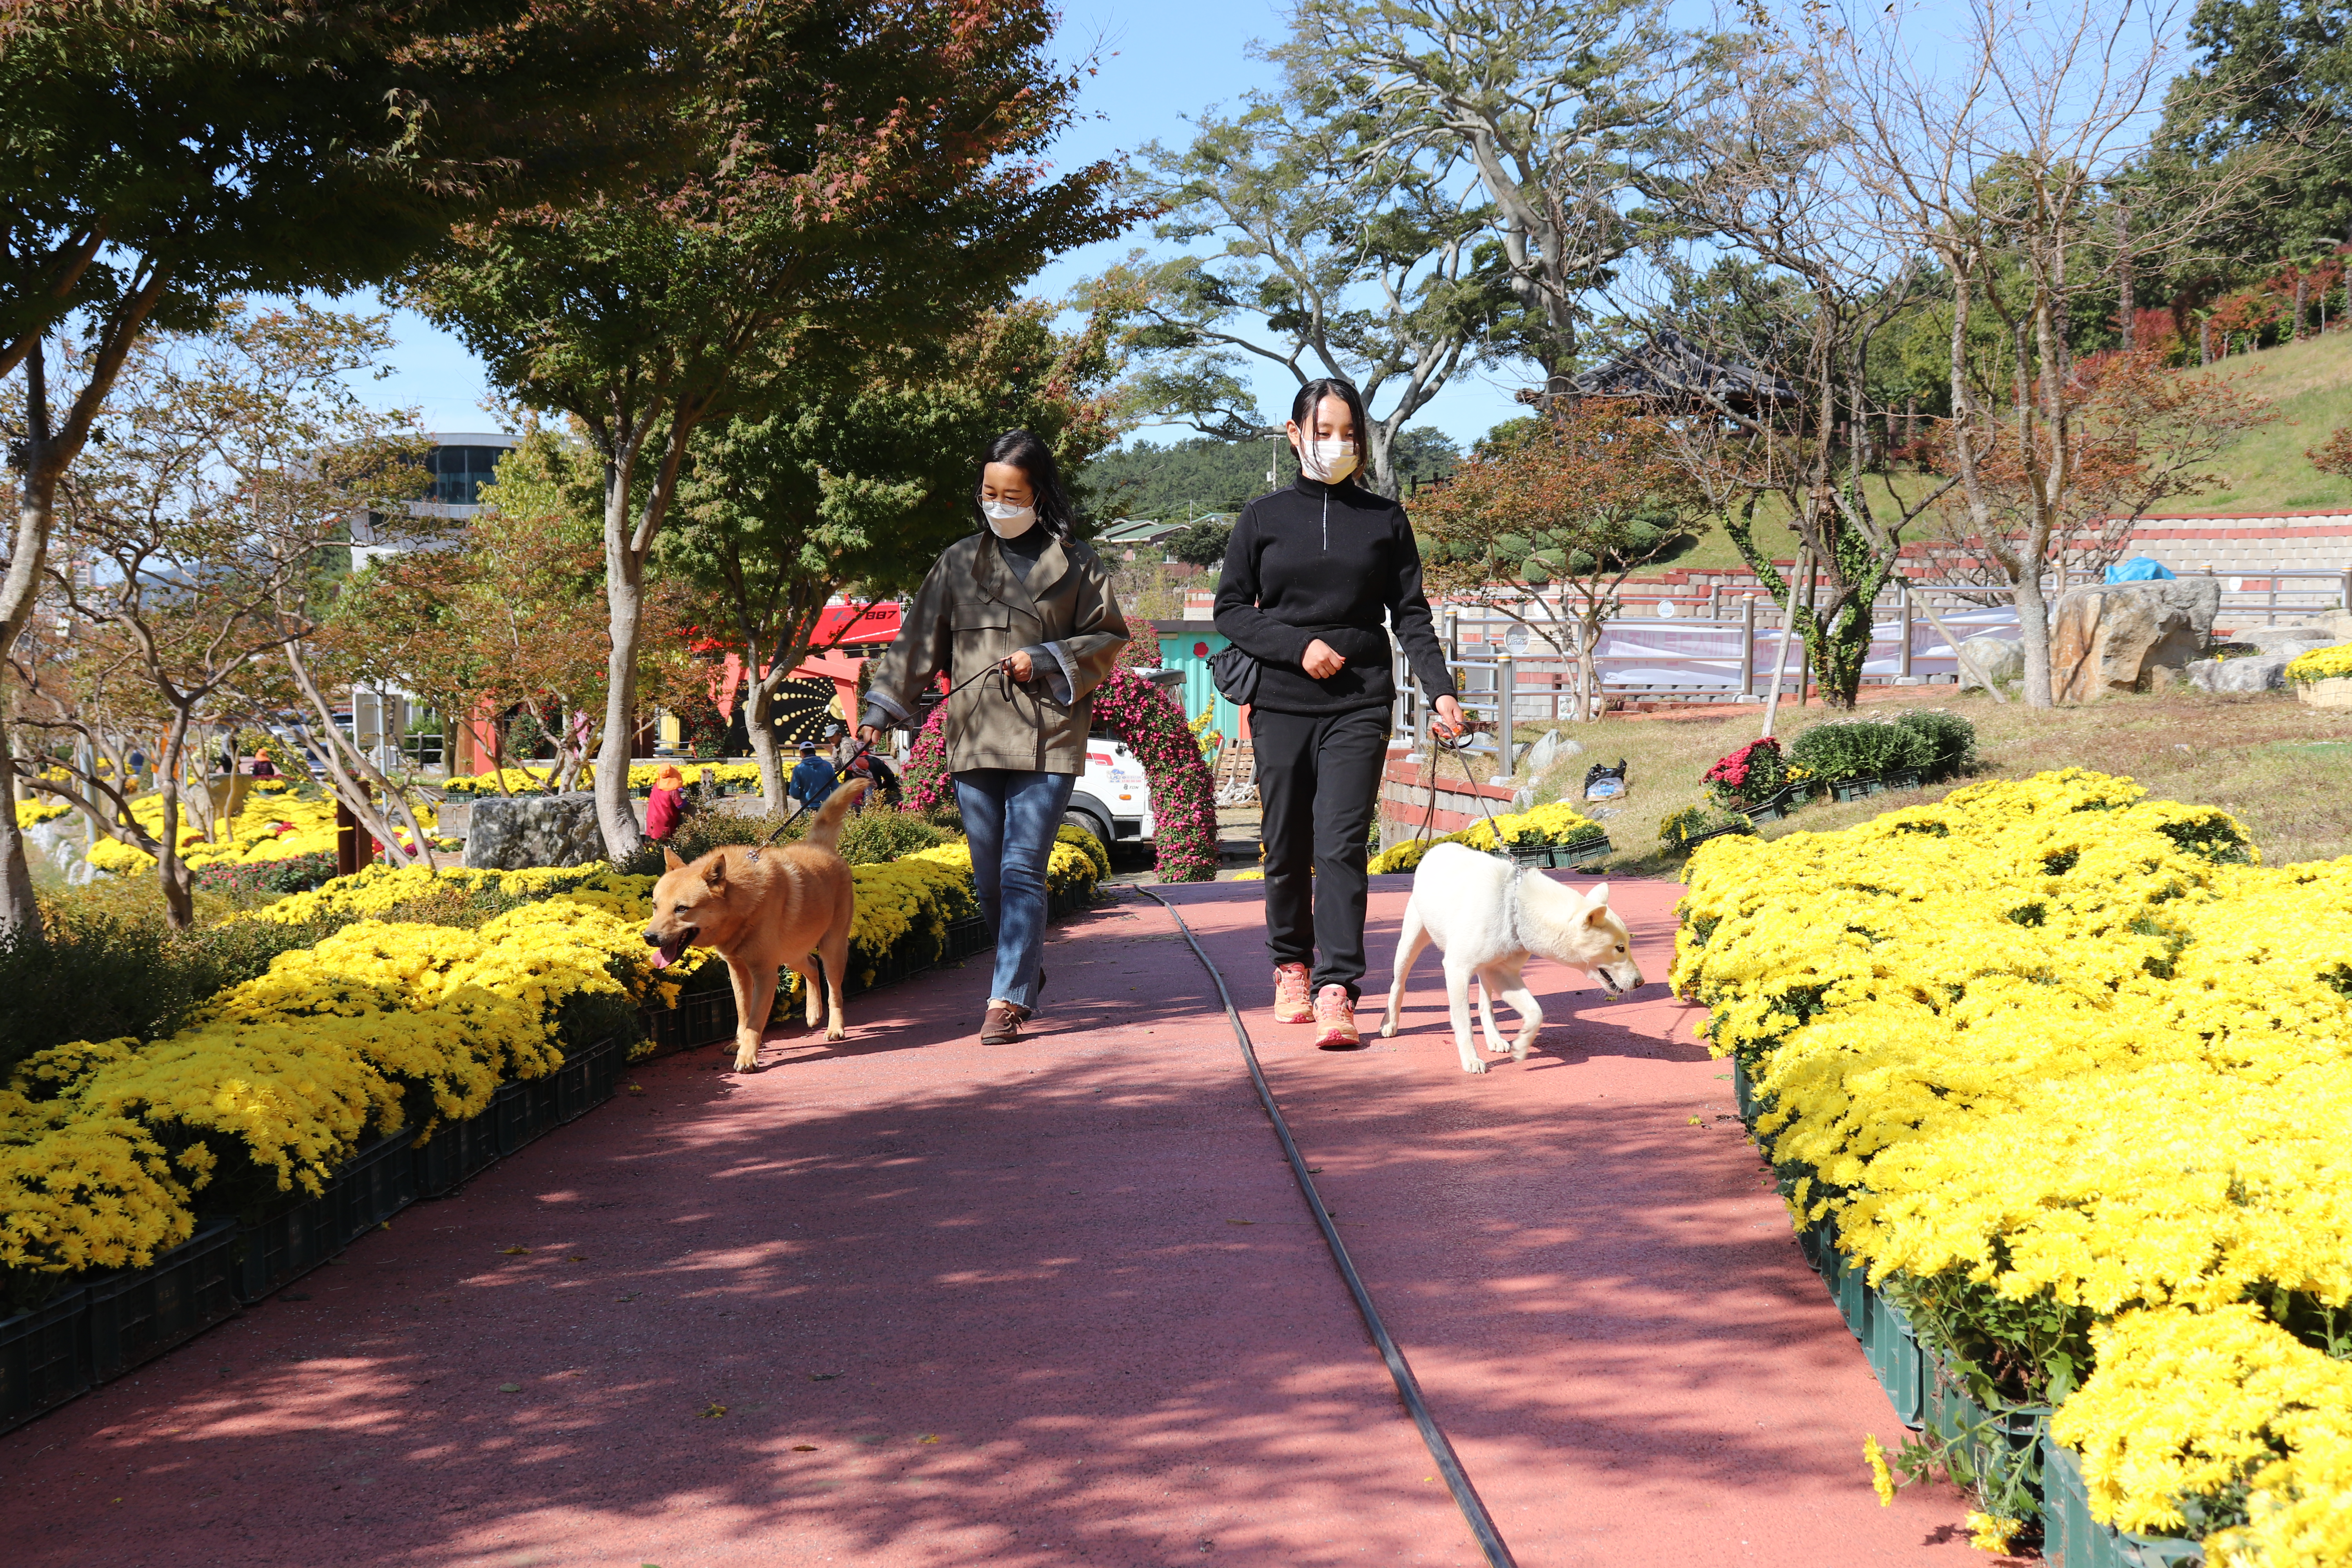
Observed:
{"x":2139,"y":569}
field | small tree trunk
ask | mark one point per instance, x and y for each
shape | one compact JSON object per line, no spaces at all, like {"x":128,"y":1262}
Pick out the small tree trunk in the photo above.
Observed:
{"x":2126,"y":312}
{"x":759,"y":729}
{"x":624,"y":596}
{"x":172,"y":872}
{"x":20,"y":909}
{"x":2034,"y":627}
{"x":2302,"y":301}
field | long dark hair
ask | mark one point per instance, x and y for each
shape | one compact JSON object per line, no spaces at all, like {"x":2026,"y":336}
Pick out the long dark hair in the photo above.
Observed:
{"x":1310,"y":398}
{"x":1035,"y":458}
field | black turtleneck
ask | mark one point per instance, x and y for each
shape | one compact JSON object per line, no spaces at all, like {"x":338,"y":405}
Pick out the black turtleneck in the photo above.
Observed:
{"x":1334,"y":561}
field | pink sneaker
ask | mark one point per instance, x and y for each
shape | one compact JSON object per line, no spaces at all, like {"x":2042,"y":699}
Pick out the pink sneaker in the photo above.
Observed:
{"x":1335,"y":1019}
{"x":1291,"y":1001}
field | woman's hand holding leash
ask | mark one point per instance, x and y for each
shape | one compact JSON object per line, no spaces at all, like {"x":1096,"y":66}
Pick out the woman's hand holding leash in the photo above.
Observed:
{"x":1449,"y":717}
{"x":1018,"y":664}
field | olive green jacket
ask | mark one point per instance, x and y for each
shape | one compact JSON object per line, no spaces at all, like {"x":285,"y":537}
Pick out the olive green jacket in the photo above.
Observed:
{"x":974,"y":610}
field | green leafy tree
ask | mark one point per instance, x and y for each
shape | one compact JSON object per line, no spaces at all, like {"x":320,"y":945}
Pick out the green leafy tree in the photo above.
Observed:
{"x":1566,"y":118}
{"x":1202,"y":543}
{"x":235,"y":457}
{"x":1545,"y":524}
{"x":863,"y":174}
{"x":2268,"y":97}
{"x":1181,"y":480}
{"x":167,"y":155}
{"x":852,"y":485}
{"x":1311,"y":261}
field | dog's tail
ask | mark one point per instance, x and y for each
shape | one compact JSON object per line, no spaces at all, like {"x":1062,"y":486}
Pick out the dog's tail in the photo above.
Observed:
{"x":825,"y":831}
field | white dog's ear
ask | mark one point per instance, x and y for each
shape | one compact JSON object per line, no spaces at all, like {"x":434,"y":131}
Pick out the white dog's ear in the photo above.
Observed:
{"x":669,"y":857}
{"x":1596,"y":906}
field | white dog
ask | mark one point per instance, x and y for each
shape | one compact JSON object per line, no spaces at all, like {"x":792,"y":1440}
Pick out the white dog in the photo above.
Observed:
{"x":1488,"y":918}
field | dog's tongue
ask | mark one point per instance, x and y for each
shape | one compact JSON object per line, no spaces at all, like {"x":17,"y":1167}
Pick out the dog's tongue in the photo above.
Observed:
{"x":661,"y":959}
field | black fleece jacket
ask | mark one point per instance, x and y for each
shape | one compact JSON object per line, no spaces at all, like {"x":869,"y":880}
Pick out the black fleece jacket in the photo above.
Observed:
{"x":1333,"y":562}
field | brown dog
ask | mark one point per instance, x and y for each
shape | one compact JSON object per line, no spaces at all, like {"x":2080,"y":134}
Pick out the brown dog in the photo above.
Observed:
{"x":762,"y":909}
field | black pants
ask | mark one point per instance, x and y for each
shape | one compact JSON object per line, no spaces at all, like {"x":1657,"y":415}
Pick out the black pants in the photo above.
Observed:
{"x":1318,"y":779}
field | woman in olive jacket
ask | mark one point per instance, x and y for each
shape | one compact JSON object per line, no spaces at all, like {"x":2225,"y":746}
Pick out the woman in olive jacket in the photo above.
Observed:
{"x":1027,"y":603}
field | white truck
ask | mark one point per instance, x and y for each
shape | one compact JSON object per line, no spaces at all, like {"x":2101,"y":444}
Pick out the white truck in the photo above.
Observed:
{"x":1112,"y":799}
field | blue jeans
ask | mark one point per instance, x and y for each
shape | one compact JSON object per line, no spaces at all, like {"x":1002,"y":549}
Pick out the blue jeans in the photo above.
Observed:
{"x":1011,"y":818}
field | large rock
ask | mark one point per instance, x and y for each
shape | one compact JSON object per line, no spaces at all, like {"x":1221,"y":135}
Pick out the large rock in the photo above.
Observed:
{"x":2289,"y":640}
{"x":1550,"y":749}
{"x":509,"y":833}
{"x":2252,"y":672}
{"x":61,"y":839}
{"x":2105,"y":638}
{"x":2001,"y":660}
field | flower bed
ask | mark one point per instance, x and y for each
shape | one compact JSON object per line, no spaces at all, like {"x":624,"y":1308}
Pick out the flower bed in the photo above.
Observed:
{"x":109,"y":1150}
{"x":2066,"y":1074}
{"x":2321,"y":664}
{"x":1557,"y":825}
{"x":274,"y":823}
{"x":390,"y":1061}
{"x":534,"y":780}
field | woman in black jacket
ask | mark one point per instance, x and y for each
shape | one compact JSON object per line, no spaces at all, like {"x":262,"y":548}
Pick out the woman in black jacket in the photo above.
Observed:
{"x":1312,"y":575}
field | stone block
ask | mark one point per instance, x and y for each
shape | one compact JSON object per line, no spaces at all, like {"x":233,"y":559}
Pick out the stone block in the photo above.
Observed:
{"x":2104,"y":638}
{"x":511,"y":833}
{"x":2254,"y":672}
{"x":2001,"y":660}
{"x":2286,"y":639}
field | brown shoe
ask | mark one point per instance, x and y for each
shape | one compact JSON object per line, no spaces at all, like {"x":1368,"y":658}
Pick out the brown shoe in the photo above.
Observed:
{"x":1001,"y":1025}
{"x":1335,"y":1020}
{"x":1291,"y":1004}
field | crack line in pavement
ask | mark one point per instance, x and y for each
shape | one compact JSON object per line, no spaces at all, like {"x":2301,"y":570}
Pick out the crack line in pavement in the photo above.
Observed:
{"x":1457,"y":1480}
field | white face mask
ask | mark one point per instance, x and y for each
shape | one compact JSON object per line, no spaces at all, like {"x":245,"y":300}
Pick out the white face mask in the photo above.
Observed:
{"x":1328,"y":461}
{"x":1007,"y":520}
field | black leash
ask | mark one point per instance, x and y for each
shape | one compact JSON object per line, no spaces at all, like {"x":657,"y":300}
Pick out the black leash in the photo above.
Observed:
{"x":1457,"y":1480}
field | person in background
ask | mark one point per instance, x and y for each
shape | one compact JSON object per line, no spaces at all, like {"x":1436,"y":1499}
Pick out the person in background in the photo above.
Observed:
{"x":873,"y":766}
{"x":813,"y":780}
{"x":1315,"y":577}
{"x":665,"y":804}
{"x":1023,"y":619}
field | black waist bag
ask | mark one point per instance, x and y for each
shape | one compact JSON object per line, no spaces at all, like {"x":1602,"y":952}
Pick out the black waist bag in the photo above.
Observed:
{"x":1236,"y":673}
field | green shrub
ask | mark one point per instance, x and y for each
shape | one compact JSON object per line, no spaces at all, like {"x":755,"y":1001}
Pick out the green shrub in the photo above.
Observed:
{"x":1952,"y":740}
{"x":101,"y":977}
{"x":1679,"y":829}
{"x":1858,"y":749}
{"x":878,"y":835}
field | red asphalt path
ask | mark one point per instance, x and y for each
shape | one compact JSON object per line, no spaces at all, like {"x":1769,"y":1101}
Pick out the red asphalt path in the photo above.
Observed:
{"x":911,"y":1300}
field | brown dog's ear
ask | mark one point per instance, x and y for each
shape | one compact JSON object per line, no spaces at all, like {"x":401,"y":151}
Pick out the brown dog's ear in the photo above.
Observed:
{"x":669,"y":857}
{"x":717,"y":873}
{"x":1597,"y":903}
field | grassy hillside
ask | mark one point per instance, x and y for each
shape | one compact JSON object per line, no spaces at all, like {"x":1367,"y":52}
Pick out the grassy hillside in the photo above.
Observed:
{"x":2309,"y":385}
